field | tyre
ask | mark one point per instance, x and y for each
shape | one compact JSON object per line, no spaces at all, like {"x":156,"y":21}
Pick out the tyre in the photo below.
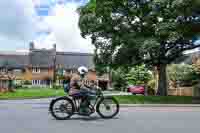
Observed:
{"x":62,"y":108}
{"x":107,"y":107}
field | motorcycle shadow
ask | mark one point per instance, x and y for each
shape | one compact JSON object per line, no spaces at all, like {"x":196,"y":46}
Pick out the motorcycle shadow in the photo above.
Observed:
{"x":89,"y":118}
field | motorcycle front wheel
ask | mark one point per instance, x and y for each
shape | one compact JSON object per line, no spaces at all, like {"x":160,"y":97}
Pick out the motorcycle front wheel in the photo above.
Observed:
{"x":107,"y":107}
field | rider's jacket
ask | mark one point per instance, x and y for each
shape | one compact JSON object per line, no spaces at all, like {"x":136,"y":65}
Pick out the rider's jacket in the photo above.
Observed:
{"x":77,"y":82}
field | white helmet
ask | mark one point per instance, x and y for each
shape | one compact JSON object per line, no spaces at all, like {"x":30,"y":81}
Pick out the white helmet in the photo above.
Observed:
{"x":82,"y":70}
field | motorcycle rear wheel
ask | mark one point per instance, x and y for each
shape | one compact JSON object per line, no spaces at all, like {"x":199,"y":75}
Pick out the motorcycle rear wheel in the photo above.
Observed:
{"x":66,"y":108}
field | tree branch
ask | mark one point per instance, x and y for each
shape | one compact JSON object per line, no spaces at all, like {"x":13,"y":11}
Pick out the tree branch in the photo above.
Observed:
{"x":179,"y":52}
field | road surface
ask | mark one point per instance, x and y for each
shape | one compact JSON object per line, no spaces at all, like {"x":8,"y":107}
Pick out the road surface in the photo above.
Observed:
{"x":31,"y":116}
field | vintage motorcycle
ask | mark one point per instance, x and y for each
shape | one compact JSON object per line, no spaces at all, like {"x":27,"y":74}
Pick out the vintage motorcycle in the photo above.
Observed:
{"x":63,"y":108}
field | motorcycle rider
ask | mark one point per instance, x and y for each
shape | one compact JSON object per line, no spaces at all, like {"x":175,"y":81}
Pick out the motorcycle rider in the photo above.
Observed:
{"x":78,"y":88}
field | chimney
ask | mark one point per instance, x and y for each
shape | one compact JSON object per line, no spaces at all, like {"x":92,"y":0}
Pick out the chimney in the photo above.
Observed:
{"x":31,"y":46}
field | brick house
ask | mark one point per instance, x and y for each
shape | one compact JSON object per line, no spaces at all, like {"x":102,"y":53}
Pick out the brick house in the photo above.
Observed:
{"x":37,"y":67}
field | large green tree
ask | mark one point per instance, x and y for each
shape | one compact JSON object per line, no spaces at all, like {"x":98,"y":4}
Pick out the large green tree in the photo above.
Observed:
{"x":127,"y":32}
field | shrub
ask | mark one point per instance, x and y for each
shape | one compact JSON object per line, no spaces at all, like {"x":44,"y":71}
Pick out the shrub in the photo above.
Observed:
{"x":196,"y":89}
{"x":18,"y":86}
{"x":151,"y":87}
{"x":151,"y":91}
{"x":118,"y":79}
{"x":56,"y":87}
{"x":138,"y":75}
{"x":184,"y":74}
{"x":27,"y":82}
{"x":151,"y":84}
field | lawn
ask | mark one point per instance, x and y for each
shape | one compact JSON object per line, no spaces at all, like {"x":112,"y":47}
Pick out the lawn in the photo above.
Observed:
{"x":32,"y":93}
{"x":154,"y":99}
{"x":131,"y":99}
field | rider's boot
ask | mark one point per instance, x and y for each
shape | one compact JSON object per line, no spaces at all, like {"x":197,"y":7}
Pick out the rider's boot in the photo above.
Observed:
{"x":84,"y":108}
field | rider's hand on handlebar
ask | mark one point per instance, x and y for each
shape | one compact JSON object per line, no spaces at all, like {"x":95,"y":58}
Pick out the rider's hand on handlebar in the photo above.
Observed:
{"x":98,"y":88}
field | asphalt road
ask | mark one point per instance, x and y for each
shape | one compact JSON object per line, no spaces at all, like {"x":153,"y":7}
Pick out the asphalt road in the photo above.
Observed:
{"x":31,"y":116}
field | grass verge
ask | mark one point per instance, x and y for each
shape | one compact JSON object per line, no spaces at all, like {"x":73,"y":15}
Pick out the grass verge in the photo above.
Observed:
{"x":32,"y":93}
{"x":154,"y":99}
{"x":131,"y":99}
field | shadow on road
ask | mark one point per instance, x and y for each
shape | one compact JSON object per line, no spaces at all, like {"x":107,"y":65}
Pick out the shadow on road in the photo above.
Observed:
{"x":91,"y":118}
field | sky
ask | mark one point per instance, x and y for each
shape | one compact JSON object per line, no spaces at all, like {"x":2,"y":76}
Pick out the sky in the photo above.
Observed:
{"x":45,"y":22}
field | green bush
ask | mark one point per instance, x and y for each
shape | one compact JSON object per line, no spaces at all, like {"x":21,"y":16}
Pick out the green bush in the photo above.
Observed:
{"x":196,"y":89}
{"x":151,"y":87}
{"x":138,"y":75}
{"x":151,"y":84}
{"x":118,"y":79}
{"x":151,"y":91}
{"x":56,"y":87}
{"x":27,"y":82}
{"x":183,"y":73}
{"x":17,"y":86}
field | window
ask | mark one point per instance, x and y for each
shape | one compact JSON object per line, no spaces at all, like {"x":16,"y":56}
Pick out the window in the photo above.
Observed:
{"x":39,"y":82}
{"x":35,"y":82}
{"x":60,"y":82}
{"x":17,"y":71}
{"x":2,"y":70}
{"x":36,"y":70}
{"x":42,"y":82}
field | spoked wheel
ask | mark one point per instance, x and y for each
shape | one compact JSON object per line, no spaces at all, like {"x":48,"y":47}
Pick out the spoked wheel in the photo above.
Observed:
{"x":108,"y":107}
{"x":62,"y":108}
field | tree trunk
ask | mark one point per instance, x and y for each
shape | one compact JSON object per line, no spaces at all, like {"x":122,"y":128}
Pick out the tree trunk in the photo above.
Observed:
{"x":155,"y":73}
{"x":162,"y":81}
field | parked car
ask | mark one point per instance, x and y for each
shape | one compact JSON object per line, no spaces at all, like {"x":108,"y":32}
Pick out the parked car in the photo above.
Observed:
{"x":138,"y":89}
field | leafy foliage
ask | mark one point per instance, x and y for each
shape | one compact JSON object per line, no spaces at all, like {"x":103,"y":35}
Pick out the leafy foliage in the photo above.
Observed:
{"x":138,"y":75}
{"x":185,"y":74}
{"x":118,"y":79}
{"x":151,"y":87}
{"x":129,"y":32}
{"x":196,"y":64}
{"x":27,"y":82}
